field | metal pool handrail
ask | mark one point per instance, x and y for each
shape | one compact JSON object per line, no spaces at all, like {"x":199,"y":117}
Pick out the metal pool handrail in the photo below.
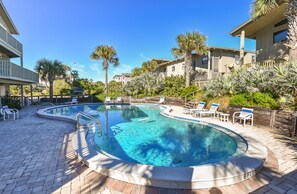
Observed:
{"x":97,"y":121}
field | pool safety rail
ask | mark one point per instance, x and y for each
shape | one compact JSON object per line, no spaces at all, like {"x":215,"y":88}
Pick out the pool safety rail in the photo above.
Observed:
{"x":89,"y":125}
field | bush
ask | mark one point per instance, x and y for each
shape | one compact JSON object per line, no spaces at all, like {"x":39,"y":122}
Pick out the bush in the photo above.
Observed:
{"x":11,"y":102}
{"x":189,"y":90}
{"x":223,"y":101}
{"x":257,"y":99}
{"x":245,"y":99}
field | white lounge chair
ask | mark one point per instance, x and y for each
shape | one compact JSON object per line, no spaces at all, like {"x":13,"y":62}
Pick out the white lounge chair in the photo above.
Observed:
{"x":73,"y":101}
{"x":6,"y":112}
{"x":244,"y":115}
{"x":119,"y":100}
{"x":107,"y":100}
{"x":199,"y":108}
{"x":162,"y":100}
{"x":212,"y":110}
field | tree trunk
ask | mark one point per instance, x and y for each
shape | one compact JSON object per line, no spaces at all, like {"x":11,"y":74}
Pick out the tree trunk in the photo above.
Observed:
{"x":106,"y":81}
{"x":188,"y":67}
{"x":51,"y":90}
{"x":105,"y":67}
{"x":291,"y":15}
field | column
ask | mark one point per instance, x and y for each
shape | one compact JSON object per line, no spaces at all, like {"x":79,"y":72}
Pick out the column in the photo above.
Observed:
{"x":208,"y":65}
{"x":22,"y":96}
{"x":31,"y":92}
{"x":242,"y":37}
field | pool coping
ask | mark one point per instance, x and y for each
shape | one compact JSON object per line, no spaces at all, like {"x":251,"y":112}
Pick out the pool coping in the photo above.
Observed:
{"x":227,"y":172}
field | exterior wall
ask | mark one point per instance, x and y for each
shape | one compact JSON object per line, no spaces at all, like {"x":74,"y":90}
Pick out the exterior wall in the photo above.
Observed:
{"x":179,"y":69}
{"x":266,"y":49}
{"x":117,"y":78}
{"x":224,"y":57}
{"x":125,"y":79}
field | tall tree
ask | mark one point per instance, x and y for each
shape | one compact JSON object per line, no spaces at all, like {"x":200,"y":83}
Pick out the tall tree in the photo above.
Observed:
{"x":49,"y":71}
{"x":187,"y":44}
{"x":108,"y":55}
{"x":262,"y":7}
{"x":149,"y":66}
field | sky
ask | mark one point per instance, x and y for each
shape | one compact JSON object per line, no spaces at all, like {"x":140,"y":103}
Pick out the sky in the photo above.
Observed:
{"x":139,"y":30}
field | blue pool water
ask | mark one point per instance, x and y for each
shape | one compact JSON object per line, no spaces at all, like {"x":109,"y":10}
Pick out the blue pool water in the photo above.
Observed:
{"x":140,"y":134}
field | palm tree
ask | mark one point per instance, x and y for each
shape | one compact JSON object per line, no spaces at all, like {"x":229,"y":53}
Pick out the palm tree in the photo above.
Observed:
{"x":149,"y":66}
{"x":187,"y":43}
{"x":262,"y":7}
{"x":109,"y":55}
{"x":49,"y":71}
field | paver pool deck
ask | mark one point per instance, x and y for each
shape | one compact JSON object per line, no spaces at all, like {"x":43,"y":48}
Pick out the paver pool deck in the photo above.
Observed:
{"x":36,"y":156}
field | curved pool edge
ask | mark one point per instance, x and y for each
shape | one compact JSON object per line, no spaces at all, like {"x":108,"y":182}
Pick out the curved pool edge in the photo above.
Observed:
{"x":228,"y":172}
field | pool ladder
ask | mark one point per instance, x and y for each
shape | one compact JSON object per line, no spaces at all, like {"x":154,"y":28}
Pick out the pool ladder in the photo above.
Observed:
{"x":97,"y":121}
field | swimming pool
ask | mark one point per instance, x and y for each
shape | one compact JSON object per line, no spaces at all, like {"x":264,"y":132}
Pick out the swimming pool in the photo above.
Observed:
{"x":140,"y":134}
{"x":144,"y":144}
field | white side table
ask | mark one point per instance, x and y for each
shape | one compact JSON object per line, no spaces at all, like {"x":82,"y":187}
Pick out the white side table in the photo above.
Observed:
{"x":224,"y":117}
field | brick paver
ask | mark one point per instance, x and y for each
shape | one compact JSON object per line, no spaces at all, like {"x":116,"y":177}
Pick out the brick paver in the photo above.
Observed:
{"x":37,"y":157}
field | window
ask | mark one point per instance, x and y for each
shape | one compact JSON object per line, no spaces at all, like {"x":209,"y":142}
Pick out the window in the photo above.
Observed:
{"x":253,"y":58}
{"x":204,"y":60}
{"x":280,"y":36}
{"x":183,"y":66}
{"x":173,"y":68}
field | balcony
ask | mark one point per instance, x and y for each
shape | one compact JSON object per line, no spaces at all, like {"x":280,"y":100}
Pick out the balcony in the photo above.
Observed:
{"x":11,"y":46}
{"x":17,"y":74}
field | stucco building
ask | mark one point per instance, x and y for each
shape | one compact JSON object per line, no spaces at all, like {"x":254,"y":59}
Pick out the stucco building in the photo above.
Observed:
{"x":270,"y":32}
{"x":218,"y":60}
{"x":11,"y":48}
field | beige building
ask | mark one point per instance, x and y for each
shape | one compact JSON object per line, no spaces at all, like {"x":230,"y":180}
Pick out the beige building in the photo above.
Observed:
{"x":124,"y":78}
{"x":270,"y":32}
{"x":218,"y":60}
{"x":11,"y":73}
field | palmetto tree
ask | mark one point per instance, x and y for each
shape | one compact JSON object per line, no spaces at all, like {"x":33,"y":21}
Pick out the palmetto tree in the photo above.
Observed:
{"x":49,"y":71}
{"x":109,"y":55}
{"x":262,"y":7}
{"x":187,"y":43}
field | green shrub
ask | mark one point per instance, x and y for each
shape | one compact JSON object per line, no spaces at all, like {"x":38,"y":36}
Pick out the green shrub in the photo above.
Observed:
{"x":265,"y":100}
{"x":189,"y":90}
{"x":245,"y":99}
{"x":257,"y":99}
{"x":11,"y":102}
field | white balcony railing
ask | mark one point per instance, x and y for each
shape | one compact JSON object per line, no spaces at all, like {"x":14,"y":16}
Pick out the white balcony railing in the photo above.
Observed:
{"x":12,"y":71}
{"x":10,"y":41}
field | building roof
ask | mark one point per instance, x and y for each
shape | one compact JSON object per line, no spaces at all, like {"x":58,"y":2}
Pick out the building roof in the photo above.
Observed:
{"x":117,"y":76}
{"x":7,"y":20}
{"x":159,"y":61}
{"x":252,"y":26}
{"x":126,"y":74}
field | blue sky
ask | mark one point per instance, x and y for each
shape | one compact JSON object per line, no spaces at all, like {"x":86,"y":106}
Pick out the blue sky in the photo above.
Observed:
{"x":69,"y":30}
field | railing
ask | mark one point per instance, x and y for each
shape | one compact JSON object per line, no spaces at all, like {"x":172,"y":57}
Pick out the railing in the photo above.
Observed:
{"x":12,"y":71}
{"x":265,"y":63}
{"x":193,"y":93}
{"x":10,"y":40}
{"x":82,"y":114}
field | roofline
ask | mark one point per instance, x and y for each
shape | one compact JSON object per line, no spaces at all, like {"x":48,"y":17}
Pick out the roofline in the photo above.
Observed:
{"x":244,"y":24}
{"x":229,"y":49}
{"x":13,"y":29}
{"x":250,"y":21}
